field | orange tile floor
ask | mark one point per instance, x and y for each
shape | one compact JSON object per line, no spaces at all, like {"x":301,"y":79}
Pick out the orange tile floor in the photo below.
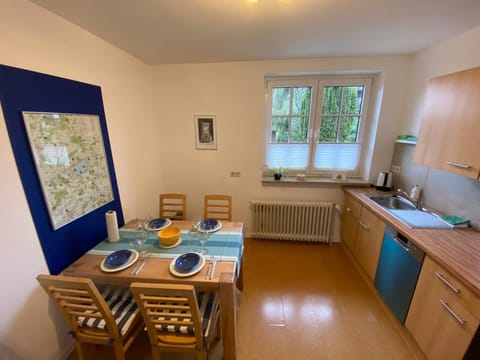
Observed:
{"x":303,"y":301}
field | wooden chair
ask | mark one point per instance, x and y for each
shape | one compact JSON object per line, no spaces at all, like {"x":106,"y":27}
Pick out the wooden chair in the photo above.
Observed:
{"x":217,"y":207}
{"x":177,"y":319}
{"x":110,"y":317}
{"x":173,"y":206}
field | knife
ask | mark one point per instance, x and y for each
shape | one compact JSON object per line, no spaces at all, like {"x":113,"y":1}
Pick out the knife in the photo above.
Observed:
{"x":214,"y":263}
{"x":208,"y":270}
{"x":139,"y":266}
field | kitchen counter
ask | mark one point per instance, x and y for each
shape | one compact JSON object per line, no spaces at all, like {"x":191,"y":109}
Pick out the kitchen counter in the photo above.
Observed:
{"x":457,"y":250}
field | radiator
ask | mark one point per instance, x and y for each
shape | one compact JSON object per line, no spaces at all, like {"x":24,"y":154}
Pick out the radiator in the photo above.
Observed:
{"x":292,"y":220}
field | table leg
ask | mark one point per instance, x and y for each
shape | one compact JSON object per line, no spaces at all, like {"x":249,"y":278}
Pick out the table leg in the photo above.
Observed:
{"x":228,"y":315}
{"x":240,"y":277}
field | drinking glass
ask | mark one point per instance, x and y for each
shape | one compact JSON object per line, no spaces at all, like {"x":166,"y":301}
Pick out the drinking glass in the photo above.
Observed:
{"x":203,"y":237}
{"x":141,"y":235}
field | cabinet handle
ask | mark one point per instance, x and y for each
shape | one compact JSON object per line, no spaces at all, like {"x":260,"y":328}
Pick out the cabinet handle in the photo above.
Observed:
{"x":461,"y":166}
{"x":458,"y":318}
{"x":401,"y":244}
{"x":440,"y":276}
{"x":365,"y":226}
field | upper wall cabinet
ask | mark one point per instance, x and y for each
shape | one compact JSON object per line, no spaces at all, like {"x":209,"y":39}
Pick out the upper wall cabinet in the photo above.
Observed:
{"x":449,"y":133}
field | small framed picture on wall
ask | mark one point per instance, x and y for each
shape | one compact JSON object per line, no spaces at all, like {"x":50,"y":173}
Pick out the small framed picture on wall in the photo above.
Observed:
{"x":205,"y":132}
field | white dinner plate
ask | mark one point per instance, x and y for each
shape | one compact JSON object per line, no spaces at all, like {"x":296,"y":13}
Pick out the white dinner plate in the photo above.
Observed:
{"x":133,"y":258}
{"x":216,"y":228}
{"x":196,"y":270}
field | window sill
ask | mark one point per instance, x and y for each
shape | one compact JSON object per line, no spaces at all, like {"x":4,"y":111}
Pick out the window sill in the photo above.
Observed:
{"x":292,"y":180}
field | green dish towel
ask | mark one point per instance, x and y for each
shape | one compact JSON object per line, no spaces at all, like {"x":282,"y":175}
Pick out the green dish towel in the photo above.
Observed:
{"x":407,"y":137}
{"x":454,"y":220}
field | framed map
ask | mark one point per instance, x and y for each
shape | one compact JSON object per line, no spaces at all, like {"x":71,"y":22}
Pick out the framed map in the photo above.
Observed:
{"x":69,"y":155}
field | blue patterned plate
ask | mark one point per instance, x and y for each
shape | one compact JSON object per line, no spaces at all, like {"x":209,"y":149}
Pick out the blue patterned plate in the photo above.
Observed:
{"x":187,"y":262}
{"x":209,"y":225}
{"x":158,"y":224}
{"x":118,"y":258}
{"x":195,"y":270}
{"x":112,"y":268}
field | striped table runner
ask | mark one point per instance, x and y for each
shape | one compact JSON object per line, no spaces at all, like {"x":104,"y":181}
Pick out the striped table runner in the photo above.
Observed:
{"x":223,"y":245}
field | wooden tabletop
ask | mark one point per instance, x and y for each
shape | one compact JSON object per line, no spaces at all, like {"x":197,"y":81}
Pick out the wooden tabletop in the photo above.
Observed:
{"x":457,"y":250}
{"x":154,"y":270}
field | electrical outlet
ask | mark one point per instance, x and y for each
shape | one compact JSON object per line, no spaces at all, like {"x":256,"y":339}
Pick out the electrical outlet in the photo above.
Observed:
{"x":395,"y":169}
{"x":234,"y":173}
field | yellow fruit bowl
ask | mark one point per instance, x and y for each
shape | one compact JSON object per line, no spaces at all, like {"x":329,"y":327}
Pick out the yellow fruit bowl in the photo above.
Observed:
{"x":169,"y":236}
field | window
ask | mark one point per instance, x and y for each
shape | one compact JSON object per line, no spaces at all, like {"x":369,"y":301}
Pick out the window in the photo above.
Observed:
{"x":315,"y":125}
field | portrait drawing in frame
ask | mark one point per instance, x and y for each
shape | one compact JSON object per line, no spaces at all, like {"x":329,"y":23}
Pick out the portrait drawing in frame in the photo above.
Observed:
{"x":205,"y":132}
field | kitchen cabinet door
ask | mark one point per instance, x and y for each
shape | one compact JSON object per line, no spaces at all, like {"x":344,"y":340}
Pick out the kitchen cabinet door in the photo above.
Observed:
{"x":448,"y":137}
{"x":439,"y":321}
{"x":350,"y":217}
{"x":369,"y":241}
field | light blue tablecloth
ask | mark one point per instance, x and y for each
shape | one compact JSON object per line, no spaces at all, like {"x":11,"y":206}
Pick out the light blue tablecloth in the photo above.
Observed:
{"x":223,"y":245}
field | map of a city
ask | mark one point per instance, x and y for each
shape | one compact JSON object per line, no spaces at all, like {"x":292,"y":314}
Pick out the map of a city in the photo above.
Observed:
{"x":71,"y":163}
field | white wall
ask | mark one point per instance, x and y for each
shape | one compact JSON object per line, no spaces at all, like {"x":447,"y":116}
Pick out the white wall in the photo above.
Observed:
{"x":150,"y":120}
{"x":34,"y":39}
{"x":234,"y":92}
{"x":459,"y":53}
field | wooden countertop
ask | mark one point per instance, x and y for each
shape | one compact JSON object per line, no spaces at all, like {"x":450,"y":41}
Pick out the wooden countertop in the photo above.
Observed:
{"x":457,"y":250}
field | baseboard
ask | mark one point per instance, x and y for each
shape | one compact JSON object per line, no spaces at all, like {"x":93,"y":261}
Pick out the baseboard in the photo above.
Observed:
{"x":66,"y":352}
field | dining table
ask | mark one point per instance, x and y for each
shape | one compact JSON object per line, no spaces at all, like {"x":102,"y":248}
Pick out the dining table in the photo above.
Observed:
{"x":222,"y":271}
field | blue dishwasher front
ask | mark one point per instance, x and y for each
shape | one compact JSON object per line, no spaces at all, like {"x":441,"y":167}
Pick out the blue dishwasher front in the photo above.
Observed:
{"x":397,"y":271}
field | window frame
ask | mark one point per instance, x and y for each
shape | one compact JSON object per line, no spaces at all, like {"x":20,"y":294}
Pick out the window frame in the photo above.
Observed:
{"x":317,"y":83}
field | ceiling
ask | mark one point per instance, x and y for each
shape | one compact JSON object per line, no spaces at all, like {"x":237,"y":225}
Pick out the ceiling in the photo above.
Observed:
{"x":195,"y":31}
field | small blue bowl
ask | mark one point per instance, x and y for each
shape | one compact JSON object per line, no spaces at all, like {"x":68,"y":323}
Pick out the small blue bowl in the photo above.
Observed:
{"x":156,"y":223}
{"x":118,"y":258}
{"x":208,"y":224}
{"x":187,"y":262}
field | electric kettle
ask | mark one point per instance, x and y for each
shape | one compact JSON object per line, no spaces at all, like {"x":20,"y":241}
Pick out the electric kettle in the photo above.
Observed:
{"x":384,"y":181}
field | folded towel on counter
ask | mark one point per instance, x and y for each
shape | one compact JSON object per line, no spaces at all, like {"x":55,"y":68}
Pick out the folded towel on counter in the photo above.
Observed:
{"x":456,"y":221}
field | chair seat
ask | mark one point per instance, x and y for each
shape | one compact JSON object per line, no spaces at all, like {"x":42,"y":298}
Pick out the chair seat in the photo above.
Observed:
{"x":121,"y":303}
{"x":207,"y":304}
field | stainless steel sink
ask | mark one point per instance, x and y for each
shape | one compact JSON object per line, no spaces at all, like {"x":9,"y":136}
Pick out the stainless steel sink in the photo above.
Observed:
{"x":392,"y":202}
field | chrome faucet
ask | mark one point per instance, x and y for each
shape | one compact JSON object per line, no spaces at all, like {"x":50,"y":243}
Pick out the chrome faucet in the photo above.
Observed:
{"x":407,"y":197}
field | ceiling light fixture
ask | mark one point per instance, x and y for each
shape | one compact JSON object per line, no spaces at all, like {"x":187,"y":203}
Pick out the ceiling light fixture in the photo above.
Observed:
{"x":256,"y":1}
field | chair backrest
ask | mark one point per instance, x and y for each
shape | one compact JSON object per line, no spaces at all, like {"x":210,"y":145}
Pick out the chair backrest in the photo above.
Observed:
{"x":217,"y":207}
{"x":173,"y":206}
{"x":89,"y":312}
{"x":172,"y":315}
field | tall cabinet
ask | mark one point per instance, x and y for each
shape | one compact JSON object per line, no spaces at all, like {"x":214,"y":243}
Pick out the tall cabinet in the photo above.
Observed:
{"x":448,"y":136}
